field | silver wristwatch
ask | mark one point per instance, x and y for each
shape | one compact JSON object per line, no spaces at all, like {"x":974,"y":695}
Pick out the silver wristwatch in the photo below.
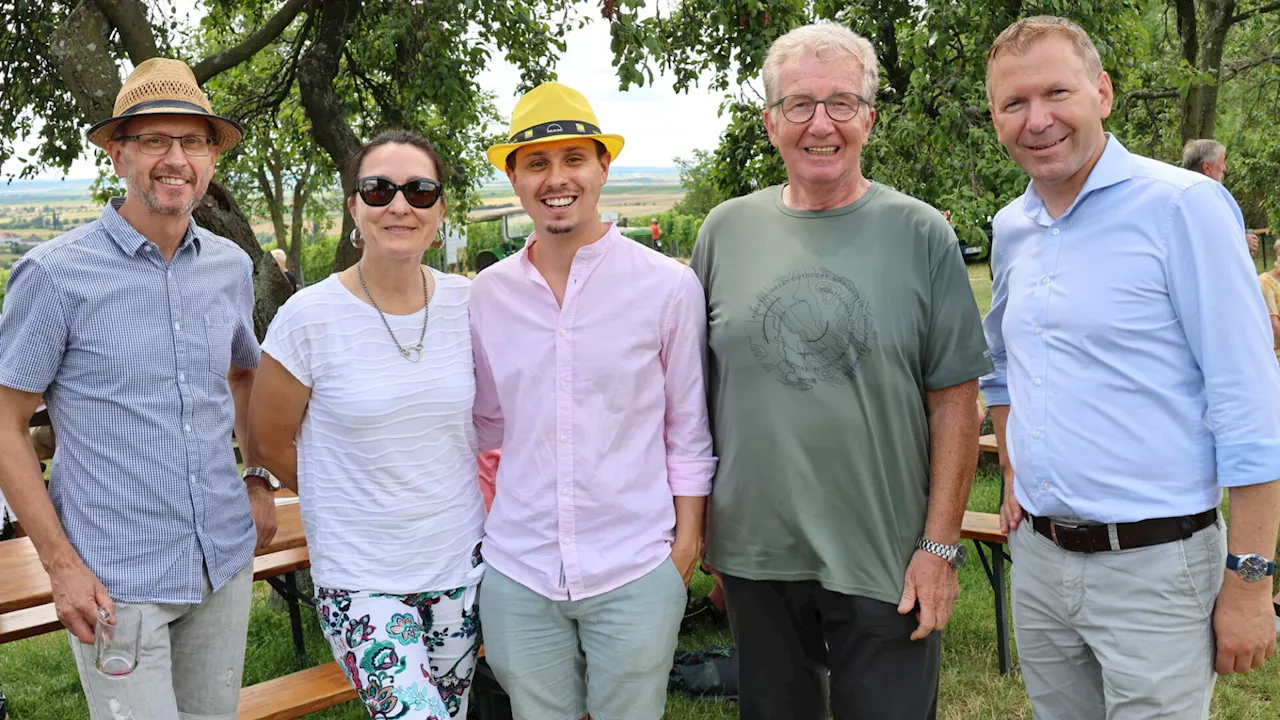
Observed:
{"x":1251,"y":567}
{"x":260,"y":472}
{"x":955,"y":555}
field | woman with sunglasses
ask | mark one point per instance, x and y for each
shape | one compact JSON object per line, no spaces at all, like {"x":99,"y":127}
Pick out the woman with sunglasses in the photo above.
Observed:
{"x":362,"y":405}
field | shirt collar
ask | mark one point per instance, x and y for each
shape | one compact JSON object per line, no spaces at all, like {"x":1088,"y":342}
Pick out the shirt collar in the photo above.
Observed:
{"x":585,"y":254}
{"x":1113,"y":167}
{"x":128,"y":237}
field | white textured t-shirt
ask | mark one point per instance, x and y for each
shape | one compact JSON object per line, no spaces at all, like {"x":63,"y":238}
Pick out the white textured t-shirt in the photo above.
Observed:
{"x":386,"y":450}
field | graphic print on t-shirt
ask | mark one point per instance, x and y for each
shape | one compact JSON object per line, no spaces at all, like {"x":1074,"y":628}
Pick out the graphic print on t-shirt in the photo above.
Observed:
{"x":811,"y":326}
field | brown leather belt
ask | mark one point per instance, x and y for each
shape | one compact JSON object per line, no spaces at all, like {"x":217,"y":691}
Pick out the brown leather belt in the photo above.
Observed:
{"x":1091,"y":538}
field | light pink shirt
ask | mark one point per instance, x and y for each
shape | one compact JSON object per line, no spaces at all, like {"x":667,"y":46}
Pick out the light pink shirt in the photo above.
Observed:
{"x":600,"y":410}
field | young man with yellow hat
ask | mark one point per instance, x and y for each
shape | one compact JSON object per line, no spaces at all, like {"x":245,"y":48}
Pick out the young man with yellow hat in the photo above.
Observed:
{"x":589,"y":374}
{"x":137,"y":330}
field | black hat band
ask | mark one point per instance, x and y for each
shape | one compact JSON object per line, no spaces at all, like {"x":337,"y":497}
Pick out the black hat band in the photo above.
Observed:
{"x":553,"y":128}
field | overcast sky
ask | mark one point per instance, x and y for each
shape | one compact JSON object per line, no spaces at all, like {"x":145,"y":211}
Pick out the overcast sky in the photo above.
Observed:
{"x":657,"y":123}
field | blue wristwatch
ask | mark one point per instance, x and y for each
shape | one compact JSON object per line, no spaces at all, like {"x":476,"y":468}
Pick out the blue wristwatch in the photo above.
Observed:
{"x":1251,"y":567}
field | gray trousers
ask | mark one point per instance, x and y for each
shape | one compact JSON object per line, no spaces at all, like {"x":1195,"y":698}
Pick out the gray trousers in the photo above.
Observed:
{"x":1123,"y":635}
{"x":190,"y":661}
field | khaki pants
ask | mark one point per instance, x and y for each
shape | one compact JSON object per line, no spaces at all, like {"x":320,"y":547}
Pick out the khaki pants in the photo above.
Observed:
{"x":190,"y":662}
{"x":1124,"y":635}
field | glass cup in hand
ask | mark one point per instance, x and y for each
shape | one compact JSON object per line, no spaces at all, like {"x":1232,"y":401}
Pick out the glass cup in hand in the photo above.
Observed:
{"x":116,"y":643}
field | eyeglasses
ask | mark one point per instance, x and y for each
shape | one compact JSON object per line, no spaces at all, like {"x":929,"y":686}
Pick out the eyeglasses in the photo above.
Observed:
{"x":841,"y":106}
{"x":159,"y":144}
{"x":377,"y":191}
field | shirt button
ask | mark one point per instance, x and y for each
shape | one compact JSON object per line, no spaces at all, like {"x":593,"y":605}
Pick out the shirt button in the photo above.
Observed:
{"x":564,"y":540}
{"x":1039,"y":331}
{"x":186,"y":428}
{"x":563,"y":331}
{"x":564,"y":491}
{"x":1045,"y":486}
{"x":177,"y":326}
{"x":1056,"y":231}
{"x":193,"y":478}
{"x":1039,"y":381}
{"x":564,"y":438}
{"x":1046,"y":281}
{"x":182,"y":377}
{"x":564,"y":386}
{"x":1035,"y":434}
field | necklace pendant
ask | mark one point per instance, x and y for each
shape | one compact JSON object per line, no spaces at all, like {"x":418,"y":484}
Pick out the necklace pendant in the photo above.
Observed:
{"x":412,"y":353}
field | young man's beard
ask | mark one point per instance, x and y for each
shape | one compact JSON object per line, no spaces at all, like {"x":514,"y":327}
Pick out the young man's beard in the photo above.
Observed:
{"x":561,"y":227}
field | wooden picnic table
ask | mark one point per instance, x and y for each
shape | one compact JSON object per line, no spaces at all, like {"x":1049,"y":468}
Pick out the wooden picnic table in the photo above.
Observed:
{"x":26,"y":584}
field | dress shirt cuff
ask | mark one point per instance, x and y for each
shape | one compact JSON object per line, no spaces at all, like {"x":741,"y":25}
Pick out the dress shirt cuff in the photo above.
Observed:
{"x":690,"y":477}
{"x":1248,"y":463}
{"x":994,"y":392}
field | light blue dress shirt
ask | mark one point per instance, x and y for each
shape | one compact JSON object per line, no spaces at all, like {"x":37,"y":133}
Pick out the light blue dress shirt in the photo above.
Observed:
{"x":132,"y":356}
{"x":1131,"y":343}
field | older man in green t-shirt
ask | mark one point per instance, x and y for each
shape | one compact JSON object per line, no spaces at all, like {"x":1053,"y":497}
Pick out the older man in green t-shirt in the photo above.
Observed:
{"x":845,"y":350}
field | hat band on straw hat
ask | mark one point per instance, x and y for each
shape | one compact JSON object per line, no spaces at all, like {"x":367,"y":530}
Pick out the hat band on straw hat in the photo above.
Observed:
{"x":555,"y":127}
{"x":168,"y":104}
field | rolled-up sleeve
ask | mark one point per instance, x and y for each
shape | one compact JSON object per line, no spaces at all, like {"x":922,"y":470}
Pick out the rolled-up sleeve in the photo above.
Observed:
{"x":995,"y":384}
{"x":690,"y":462}
{"x":33,"y":329}
{"x":1214,"y":291}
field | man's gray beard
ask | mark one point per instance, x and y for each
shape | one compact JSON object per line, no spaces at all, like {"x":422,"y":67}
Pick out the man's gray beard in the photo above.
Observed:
{"x":152,"y":203}
{"x":562,"y":227}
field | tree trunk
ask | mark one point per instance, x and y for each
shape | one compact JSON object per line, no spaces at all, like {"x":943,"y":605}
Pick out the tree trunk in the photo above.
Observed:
{"x":82,"y":55}
{"x":317,"y":69}
{"x":219,"y":214}
{"x":1200,"y":104}
{"x":294,"y":251}
{"x":275,"y":203}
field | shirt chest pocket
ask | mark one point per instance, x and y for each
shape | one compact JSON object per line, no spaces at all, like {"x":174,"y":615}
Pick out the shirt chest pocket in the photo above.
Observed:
{"x":218,"y":329}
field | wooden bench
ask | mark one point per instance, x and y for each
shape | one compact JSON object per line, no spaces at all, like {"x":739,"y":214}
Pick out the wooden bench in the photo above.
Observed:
{"x":41,"y":619}
{"x":297,"y":694}
{"x":983,"y":530}
{"x":326,"y":685}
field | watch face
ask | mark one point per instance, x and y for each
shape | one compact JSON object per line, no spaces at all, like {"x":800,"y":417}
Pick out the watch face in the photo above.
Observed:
{"x":962,"y":554}
{"x":1252,"y":568}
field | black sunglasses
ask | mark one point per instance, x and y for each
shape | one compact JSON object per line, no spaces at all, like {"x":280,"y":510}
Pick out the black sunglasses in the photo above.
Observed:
{"x":377,"y":191}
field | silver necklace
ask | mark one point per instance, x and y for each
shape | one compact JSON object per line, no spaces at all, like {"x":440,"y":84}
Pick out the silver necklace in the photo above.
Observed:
{"x":412,"y":353}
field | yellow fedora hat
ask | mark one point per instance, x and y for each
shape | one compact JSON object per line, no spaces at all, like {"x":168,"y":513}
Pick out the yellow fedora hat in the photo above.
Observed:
{"x":161,"y":86}
{"x":548,"y":113}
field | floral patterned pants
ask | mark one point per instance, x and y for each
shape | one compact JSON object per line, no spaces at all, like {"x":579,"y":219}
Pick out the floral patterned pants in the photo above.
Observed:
{"x":409,"y":656}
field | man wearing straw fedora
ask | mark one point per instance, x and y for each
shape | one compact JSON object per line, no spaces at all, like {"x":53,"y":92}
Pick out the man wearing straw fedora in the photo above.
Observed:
{"x":589,"y":374}
{"x":137,"y":331}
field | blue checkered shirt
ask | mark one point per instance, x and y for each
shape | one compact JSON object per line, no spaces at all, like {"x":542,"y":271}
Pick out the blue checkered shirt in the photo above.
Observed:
{"x":132,"y":356}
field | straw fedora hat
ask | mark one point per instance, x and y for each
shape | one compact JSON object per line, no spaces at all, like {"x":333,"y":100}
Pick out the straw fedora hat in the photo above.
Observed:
{"x":548,"y":113}
{"x":160,"y":86}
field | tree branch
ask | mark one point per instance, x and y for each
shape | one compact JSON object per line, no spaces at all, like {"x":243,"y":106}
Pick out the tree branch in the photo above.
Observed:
{"x":1231,"y":68}
{"x":1262,"y":10}
{"x":136,"y":34}
{"x":1149,"y":95}
{"x":232,"y":56}
{"x":82,"y":55}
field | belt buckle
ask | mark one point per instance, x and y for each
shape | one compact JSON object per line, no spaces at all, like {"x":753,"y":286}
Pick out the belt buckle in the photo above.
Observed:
{"x":1059,"y":531}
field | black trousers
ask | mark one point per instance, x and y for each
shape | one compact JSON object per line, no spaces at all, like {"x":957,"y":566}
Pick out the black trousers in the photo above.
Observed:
{"x":804,"y":650}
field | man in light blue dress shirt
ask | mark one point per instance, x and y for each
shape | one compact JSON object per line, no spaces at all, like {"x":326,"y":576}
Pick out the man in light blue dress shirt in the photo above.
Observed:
{"x":1133,"y":380}
{"x":137,"y":330}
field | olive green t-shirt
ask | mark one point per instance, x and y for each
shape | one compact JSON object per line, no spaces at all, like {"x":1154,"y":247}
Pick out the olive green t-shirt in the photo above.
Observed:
{"x":825,"y":331}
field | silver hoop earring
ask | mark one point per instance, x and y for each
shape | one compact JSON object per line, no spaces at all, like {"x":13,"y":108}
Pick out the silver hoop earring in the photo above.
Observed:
{"x":439,"y":241}
{"x":356,"y":240}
